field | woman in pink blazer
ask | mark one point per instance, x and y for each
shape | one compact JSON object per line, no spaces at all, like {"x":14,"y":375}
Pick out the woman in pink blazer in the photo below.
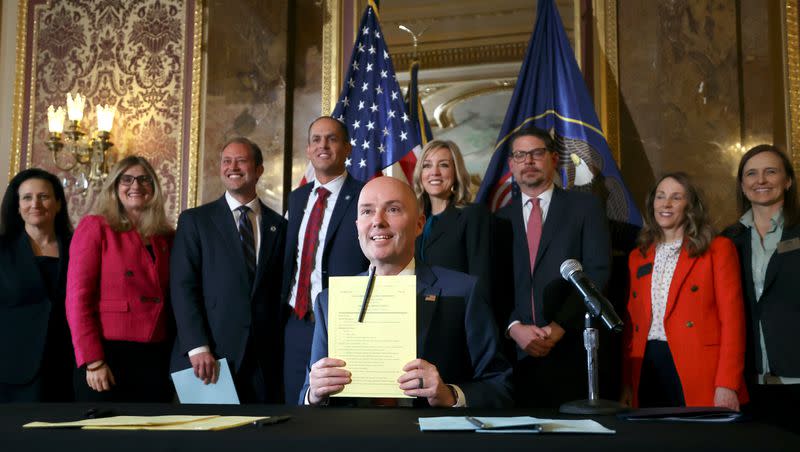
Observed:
{"x":684,"y":337}
{"x":118,"y":289}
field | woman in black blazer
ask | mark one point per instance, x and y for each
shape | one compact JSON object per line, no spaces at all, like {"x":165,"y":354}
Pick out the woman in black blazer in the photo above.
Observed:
{"x":456,"y":233}
{"x":35,"y":232}
{"x":767,"y":238}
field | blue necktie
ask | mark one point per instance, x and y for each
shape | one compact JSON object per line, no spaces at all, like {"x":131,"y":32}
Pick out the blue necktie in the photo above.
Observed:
{"x":248,"y":241}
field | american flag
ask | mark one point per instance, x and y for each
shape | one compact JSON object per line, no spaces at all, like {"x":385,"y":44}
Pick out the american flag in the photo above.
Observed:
{"x":371,"y":106}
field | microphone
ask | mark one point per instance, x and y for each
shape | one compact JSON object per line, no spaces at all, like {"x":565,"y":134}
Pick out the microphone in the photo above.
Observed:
{"x":596,"y":303}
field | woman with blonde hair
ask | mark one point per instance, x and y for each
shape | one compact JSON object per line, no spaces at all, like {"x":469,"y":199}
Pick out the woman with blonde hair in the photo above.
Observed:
{"x":456,"y":233}
{"x":117,"y":290}
{"x":684,"y":337}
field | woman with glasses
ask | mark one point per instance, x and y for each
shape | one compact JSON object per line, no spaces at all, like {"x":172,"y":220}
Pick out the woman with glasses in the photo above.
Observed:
{"x":456,"y":233}
{"x":34,"y":241}
{"x":117,"y":290}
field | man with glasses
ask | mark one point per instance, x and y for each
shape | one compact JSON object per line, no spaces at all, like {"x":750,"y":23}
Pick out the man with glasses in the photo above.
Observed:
{"x":226,"y":282}
{"x":536,"y":232}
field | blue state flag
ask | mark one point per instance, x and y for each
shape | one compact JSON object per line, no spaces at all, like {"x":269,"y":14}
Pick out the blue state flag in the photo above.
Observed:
{"x":551,"y":94}
{"x":421,"y":126}
{"x":372,"y":107}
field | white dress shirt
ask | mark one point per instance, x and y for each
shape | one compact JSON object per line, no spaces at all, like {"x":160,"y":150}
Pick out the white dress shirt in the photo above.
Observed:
{"x":544,"y":203}
{"x":664,"y":264}
{"x":335,"y":187}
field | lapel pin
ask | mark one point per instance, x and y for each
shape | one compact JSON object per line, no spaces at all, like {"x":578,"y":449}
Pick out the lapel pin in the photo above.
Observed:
{"x":430,"y":297}
{"x":272,"y":228}
{"x":347,"y":198}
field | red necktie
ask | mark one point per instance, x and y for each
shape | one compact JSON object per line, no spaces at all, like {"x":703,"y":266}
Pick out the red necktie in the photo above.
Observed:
{"x":310,"y":242}
{"x":534,"y":235}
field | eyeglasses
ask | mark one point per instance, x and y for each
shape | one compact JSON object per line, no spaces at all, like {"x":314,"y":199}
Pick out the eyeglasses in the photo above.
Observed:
{"x":127,"y":180}
{"x":521,"y":156}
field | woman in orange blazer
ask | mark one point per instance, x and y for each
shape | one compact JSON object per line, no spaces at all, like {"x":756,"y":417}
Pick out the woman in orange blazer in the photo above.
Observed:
{"x":117,"y":290}
{"x":684,"y":338}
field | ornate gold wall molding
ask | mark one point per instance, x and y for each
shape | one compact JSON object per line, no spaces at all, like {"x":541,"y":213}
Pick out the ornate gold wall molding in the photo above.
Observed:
{"x":331,"y":54}
{"x":793,"y":79}
{"x":462,"y":56}
{"x":605,"y":12}
{"x":194,"y":127}
{"x":19,"y":91}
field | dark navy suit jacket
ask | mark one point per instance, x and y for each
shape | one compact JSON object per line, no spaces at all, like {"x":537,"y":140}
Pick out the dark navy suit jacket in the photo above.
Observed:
{"x":456,"y":333}
{"x":459,"y":240}
{"x":575,"y":228}
{"x":213,"y":300}
{"x":778,"y":309}
{"x":341,"y":254}
{"x":25,"y":309}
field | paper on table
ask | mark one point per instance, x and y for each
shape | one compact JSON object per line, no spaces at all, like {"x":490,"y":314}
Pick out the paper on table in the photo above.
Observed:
{"x":122,"y":421}
{"x":209,"y":424}
{"x":191,"y":389}
{"x":377,"y":349}
{"x":460,"y":423}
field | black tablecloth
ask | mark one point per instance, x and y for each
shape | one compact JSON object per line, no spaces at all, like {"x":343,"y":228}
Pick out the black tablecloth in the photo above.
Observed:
{"x":354,"y":429}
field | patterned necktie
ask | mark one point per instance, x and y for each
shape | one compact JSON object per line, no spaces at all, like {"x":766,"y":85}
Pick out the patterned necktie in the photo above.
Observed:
{"x":307,"y":258}
{"x":248,"y":241}
{"x":534,"y":235}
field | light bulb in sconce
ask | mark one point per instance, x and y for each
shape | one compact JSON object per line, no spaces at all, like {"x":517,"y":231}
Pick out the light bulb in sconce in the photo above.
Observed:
{"x":75,"y":106}
{"x":55,"y":119}
{"x":105,"y":117}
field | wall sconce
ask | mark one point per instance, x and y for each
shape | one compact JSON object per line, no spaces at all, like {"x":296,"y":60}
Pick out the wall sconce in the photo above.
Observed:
{"x":88,"y":161}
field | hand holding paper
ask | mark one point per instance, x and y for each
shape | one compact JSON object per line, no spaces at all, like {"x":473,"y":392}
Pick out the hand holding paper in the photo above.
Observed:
{"x":376,"y":349}
{"x":422,"y":379}
{"x":327,"y":377}
{"x":205,"y":367}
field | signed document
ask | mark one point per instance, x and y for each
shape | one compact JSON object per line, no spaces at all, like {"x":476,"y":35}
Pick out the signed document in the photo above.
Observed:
{"x":376,"y":349}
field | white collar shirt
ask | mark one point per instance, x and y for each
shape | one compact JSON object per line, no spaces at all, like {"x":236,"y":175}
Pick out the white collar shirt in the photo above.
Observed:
{"x":335,"y":187}
{"x":253,"y":215}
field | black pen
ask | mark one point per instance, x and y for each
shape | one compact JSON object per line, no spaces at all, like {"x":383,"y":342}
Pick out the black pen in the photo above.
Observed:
{"x":475,"y":421}
{"x":370,"y":282}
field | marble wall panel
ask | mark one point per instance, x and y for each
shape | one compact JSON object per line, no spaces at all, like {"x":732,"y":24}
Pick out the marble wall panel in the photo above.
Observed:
{"x":245,"y":58}
{"x":680,"y":103}
{"x":307,"y":90}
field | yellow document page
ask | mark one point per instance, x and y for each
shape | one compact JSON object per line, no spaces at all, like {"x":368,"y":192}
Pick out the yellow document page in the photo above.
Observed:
{"x":377,"y":349}
{"x":118,"y":421}
{"x":210,"y":424}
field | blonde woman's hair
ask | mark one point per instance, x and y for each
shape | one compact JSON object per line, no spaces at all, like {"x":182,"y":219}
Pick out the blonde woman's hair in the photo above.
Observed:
{"x":153,"y":220}
{"x":460,"y":192}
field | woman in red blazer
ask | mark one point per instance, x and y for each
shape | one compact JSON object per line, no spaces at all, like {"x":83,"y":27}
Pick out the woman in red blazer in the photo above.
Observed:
{"x":684,"y":338}
{"x":117,"y":290}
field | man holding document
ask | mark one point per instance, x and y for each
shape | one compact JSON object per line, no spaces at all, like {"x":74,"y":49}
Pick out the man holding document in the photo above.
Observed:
{"x":458,"y":361}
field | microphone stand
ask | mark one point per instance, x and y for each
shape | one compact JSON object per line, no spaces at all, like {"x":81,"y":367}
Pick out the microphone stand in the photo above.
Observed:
{"x":594,"y":404}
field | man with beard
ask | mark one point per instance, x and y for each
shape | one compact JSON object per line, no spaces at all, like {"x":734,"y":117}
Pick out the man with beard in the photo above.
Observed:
{"x":541,"y":228}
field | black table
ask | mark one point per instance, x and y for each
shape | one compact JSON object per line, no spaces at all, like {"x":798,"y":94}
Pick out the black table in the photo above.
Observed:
{"x":359,"y":429}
